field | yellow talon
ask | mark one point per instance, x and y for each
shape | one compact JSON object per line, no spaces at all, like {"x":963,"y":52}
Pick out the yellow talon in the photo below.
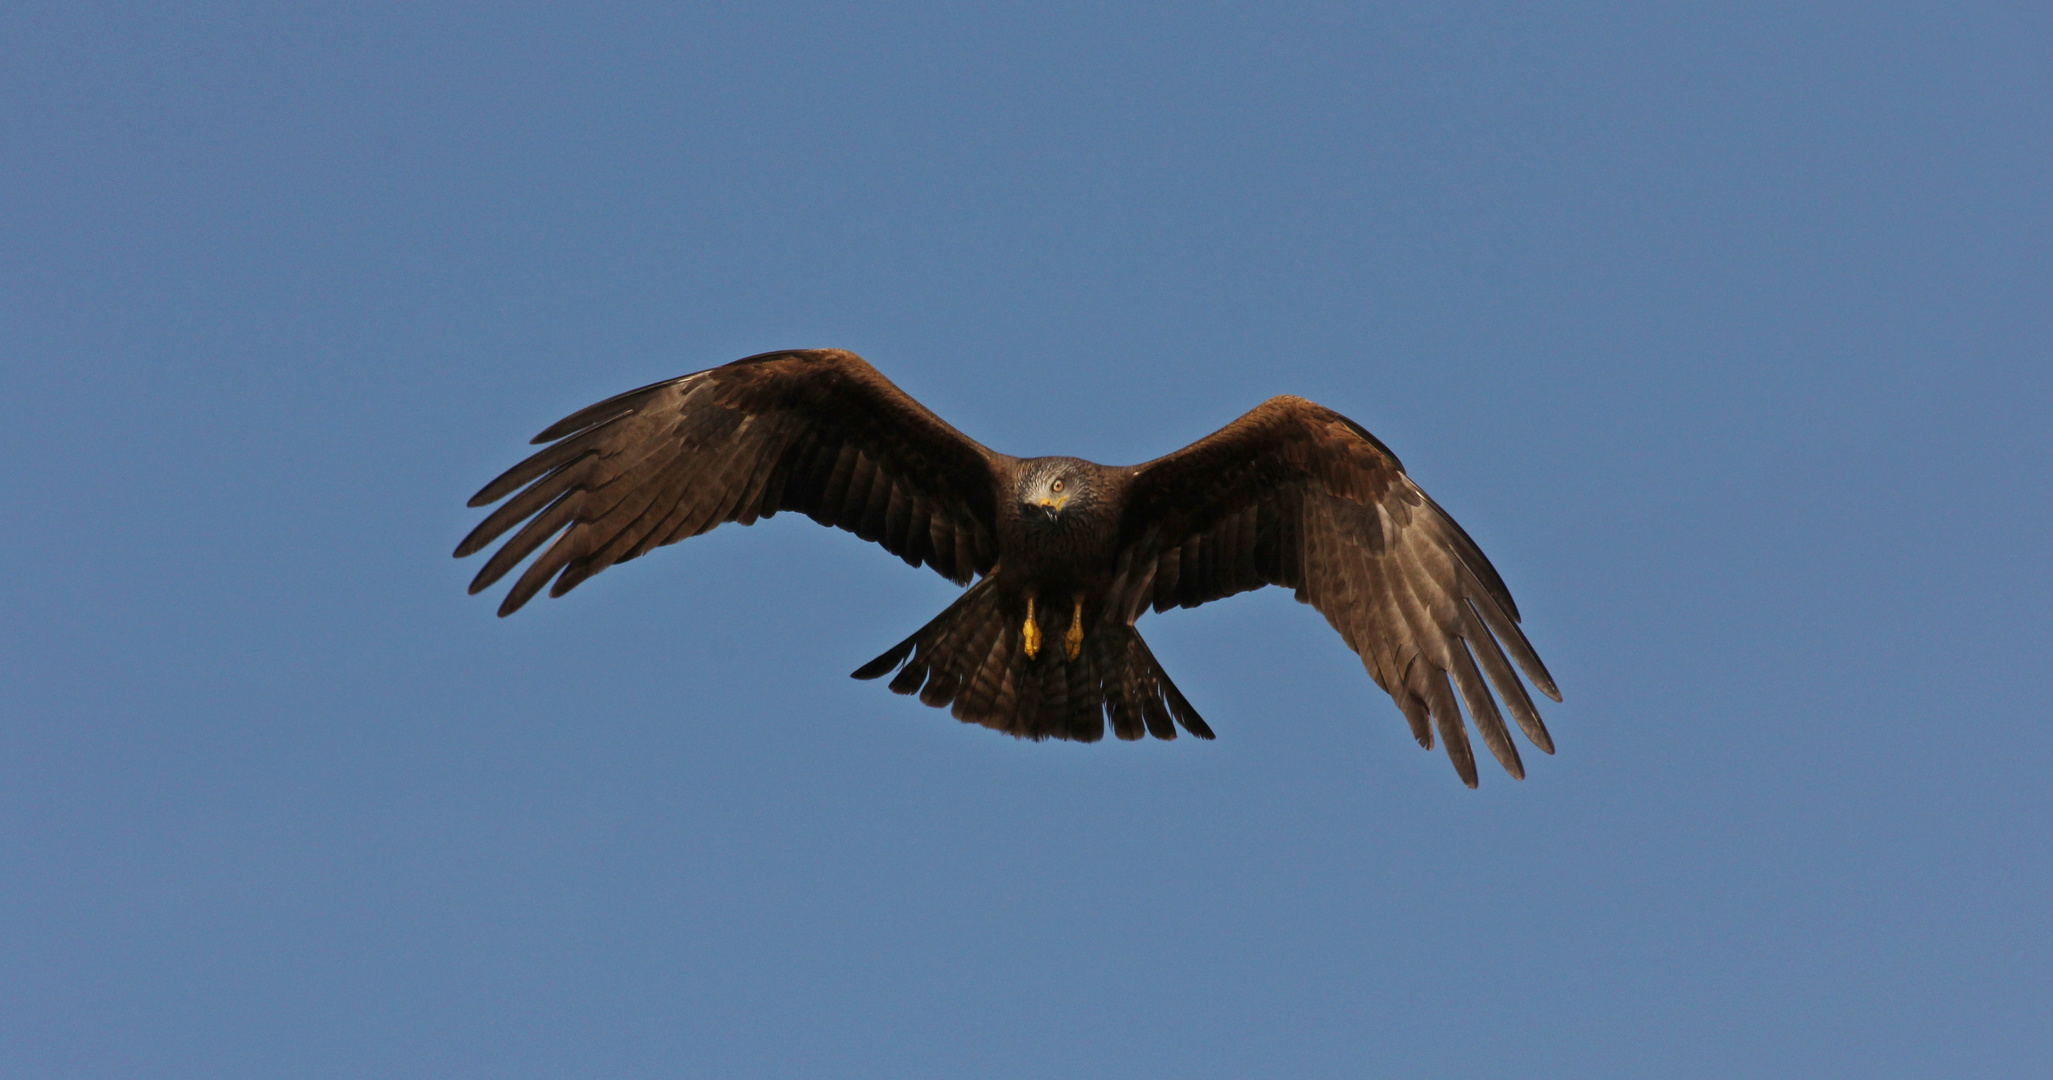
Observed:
{"x":1030,"y":634}
{"x":1073,"y":642}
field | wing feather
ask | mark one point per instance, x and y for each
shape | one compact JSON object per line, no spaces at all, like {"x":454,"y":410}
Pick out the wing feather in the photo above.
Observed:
{"x":1296,"y":495}
{"x":1491,"y":656}
{"x":1482,"y":708}
{"x":1446,"y":717}
{"x":815,"y":431}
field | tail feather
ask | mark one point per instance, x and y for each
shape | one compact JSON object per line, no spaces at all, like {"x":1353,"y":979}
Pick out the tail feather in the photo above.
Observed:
{"x":970,"y":659}
{"x":885,"y":663}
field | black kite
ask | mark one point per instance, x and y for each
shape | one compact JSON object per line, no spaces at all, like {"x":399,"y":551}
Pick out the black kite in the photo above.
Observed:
{"x":1292,"y":494}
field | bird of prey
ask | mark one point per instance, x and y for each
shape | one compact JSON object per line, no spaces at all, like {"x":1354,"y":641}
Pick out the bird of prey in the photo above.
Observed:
{"x":1066,"y":555}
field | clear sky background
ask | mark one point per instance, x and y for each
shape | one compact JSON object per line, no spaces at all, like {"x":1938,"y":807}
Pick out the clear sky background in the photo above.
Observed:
{"x":1724,"y":329}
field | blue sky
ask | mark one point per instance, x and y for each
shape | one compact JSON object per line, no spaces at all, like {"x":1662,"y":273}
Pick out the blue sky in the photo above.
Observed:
{"x":1723,"y":328}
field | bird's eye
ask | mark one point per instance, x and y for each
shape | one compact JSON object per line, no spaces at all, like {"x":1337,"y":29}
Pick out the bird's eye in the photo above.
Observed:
{"x":1056,"y":486}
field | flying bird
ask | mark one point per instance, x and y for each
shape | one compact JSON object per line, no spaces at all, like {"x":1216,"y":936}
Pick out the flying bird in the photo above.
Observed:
{"x":1066,"y":555}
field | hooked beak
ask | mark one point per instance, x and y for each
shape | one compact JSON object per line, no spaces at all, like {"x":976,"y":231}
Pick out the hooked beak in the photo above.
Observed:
{"x":1055,"y":504}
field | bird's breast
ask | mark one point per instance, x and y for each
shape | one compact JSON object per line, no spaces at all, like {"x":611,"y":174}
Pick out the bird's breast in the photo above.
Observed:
{"x":1056,"y":557}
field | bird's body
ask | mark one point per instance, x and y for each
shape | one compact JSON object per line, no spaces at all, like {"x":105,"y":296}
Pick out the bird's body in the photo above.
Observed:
{"x":1066,"y":554}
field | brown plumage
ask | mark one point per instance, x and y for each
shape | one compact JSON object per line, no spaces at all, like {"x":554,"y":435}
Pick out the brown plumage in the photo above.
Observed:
{"x":1291,"y":494}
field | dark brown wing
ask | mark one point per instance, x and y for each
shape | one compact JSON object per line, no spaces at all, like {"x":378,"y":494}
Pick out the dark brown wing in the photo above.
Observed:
{"x":818,"y":431}
{"x":1297,"y":495}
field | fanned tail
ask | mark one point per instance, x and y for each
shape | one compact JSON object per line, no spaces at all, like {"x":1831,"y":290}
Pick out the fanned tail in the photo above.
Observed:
{"x":970,"y":657}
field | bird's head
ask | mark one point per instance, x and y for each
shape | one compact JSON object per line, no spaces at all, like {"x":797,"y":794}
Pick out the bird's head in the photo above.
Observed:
{"x":1053,"y":490}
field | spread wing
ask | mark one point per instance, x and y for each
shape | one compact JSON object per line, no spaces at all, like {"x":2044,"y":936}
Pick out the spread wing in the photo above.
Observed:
{"x":1297,"y":495}
{"x":817,"y":431}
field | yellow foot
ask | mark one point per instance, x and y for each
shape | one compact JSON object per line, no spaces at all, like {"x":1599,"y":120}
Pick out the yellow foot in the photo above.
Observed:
{"x":1030,"y":634}
{"x":1073,"y":642}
